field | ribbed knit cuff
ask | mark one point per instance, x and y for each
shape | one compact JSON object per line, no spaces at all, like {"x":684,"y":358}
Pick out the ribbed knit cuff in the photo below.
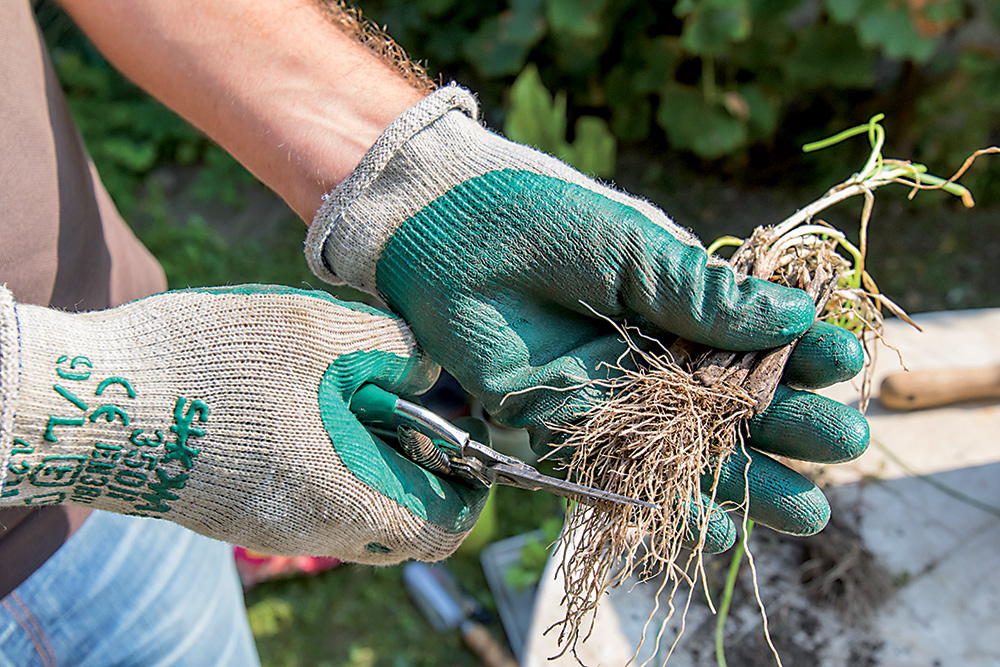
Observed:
{"x":9,"y":377}
{"x":399,"y":132}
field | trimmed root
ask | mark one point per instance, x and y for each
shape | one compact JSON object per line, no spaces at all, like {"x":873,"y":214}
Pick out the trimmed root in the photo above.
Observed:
{"x":672,"y":423}
{"x":671,"y":420}
{"x":657,"y":434}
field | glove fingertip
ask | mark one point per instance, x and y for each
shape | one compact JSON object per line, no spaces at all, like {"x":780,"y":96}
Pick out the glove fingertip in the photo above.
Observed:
{"x":779,"y":497}
{"x":853,"y":438}
{"x":802,"y":514}
{"x":781,"y":313}
{"x":825,"y":355}
{"x":811,"y":514}
{"x":754,"y":314}
{"x":719,"y":530}
{"x":720,"y":534}
{"x":809,"y":427}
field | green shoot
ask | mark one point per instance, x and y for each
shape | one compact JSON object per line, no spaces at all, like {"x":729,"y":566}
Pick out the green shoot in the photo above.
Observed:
{"x":913,"y":174}
{"x":783,"y":252}
{"x":722,"y":242}
{"x":845,"y":134}
{"x":857,"y":304}
{"x":727,"y":595}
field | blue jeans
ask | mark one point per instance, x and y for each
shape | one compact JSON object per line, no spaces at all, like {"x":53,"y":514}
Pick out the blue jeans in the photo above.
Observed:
{"x":129,"y":591}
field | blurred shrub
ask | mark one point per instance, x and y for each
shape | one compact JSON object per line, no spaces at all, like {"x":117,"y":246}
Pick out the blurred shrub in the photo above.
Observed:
{"x":128,"y":133}
{"x":536,"y":118}
{"x":738,"y":83}
{"x":718,"y":78}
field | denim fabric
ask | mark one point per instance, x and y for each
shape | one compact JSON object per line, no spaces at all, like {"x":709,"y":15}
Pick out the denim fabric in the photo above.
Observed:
{"x":129,"y":591}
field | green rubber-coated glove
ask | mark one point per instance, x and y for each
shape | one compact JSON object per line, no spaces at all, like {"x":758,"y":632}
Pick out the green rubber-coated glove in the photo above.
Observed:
{"x":498,"y":256}
{"x":224,"y":410}
{"x":798,"y":425}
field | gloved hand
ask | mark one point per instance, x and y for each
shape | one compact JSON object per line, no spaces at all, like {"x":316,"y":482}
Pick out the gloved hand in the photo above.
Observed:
{"x":498,"y":256}
{"x":224,"y":410}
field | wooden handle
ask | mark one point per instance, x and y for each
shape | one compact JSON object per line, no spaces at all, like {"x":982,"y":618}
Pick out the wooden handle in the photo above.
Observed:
{"x":491,"y":653}
{"x":928,"y":389}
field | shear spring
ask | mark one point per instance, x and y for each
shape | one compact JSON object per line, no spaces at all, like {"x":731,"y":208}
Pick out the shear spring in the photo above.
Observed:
{"x":423,"y":451}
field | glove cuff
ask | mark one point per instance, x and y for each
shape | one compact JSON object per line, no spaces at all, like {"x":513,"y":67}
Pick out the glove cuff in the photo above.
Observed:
{"x":399,"y":132}
{"x":9,"y":377}
{"x":430,"y":149}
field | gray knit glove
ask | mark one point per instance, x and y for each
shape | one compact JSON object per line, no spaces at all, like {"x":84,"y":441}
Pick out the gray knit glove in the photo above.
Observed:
{"x":226,"y":411}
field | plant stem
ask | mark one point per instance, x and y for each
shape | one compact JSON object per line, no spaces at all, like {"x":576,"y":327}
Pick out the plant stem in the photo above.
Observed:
{"x":840,"y":136}
{"x":834,"y":196}
{"x":727,"y":594}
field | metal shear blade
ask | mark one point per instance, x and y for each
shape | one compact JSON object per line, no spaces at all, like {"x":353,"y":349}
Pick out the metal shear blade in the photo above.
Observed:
{"x":475,"y":461}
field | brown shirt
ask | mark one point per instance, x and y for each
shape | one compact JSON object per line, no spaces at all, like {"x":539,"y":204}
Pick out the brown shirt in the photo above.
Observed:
{"x":62,"y":242}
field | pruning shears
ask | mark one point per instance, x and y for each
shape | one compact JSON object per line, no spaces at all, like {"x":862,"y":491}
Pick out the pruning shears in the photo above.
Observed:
{"x":444,"y":449}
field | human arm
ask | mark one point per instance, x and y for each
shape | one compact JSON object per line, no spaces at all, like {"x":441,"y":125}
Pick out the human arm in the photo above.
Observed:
{"x":224,"y":410}
{"x":278,"y":84}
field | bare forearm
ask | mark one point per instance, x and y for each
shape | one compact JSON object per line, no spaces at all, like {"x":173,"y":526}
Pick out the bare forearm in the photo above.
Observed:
{"x":295,"y":99}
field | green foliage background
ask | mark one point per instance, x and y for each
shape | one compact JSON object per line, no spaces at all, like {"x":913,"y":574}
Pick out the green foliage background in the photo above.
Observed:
{"x":737,"y":81}
{"x":736,"y":84}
